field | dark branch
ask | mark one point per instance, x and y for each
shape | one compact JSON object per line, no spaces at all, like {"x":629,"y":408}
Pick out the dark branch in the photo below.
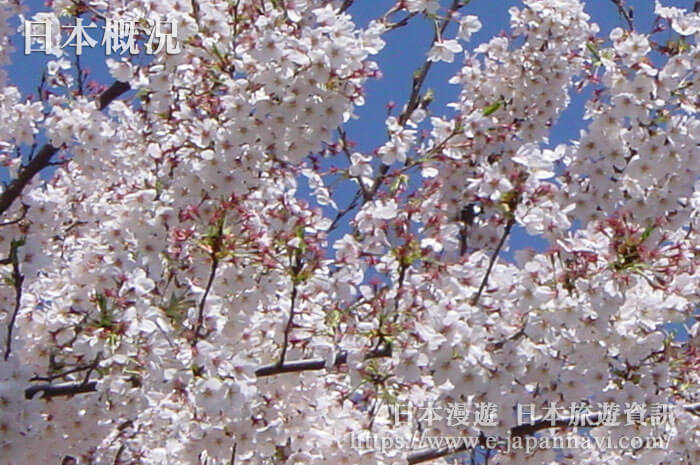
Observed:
{"x":288,"y":327}
{"x":485,"y":280}
{"x":346,"y":4}
{"x":25,"y":208}
{"x":64,"y":373}
{"x":203,"y":302}
{"x":296,"y":269}
{"x":415,"y":98}
{"x":43,"y":158}
{"x":315,"y":364}
{"x":112,"y":93}
{"x":57,"y":390}
{"x":625,"y":13}
{"x":17,"y":280}
{"x":215,"y":247}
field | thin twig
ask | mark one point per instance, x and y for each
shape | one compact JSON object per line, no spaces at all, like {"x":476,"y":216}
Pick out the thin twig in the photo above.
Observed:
{"x":25,"y":208}
{"x":485,"y":279}
{"x":203,"y":302}
{"x":288,"y":327}
{"x":64,"y":373}
{"x":17,"y":280}
{"x":215,"y":247}
{"x":295,"y":270}
{"x":353,"y":203}
{"x":233,"y":453}
{"x":625,"y":13}
{"x":119,"y":454}
{"x":79,"y":73}
{"x":415,"y":99}
{"x":402,"y":22}
{"x":346,"y":150}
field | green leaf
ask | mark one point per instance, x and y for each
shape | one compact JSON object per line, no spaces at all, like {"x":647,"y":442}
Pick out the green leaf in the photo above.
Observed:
{"x":491,"y":109}
{"x":593,"y":49}
{"x":647,"y":232}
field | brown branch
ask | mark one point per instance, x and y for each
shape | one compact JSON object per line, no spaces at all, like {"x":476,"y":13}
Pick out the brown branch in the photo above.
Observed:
{"x":17,"y":280}
{"x":203,"y":302}
{"x":215,"y":247}
{"x":233,"y":454}
{"x":64,"y":373}
{"x":315,"y":364}
{"x":346,"y":4}
{"x":43,"y":158}
{"x":56,"y":390}
{"x":25,"y":209}
{"x":415,"y":99}
{"x":625,"y":13}
{"x":485,"y":280}
{"x":119,"y":453}
{"x":296,"y":269}
{"x":402,"y":22}
{"x":112,"y":93}
{"x":466,"y":217}
{"x":288,"y":327}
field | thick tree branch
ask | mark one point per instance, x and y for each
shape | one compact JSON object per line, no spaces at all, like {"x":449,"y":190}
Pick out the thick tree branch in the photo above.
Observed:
{"x":59,"y":390}
{"x":69,"y":389}
{"x":112,"y":93}
{"x":43,"y":158}
{"x":346,"y":4}
{"x":315,"y":364}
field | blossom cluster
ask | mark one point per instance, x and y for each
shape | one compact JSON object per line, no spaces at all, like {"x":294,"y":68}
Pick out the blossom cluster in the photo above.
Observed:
{"x":186,"y":285}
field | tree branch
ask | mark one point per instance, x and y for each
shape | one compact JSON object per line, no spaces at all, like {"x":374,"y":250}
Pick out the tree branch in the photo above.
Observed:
{"x":43,"y":158}
{"x":215,"y":247}
{"x":203,"y":302}
{"x":346,"y":4}
{"x":17,"y":280}
{"x":625,"y":13}
{"x":316,"y":364}
{"x":56,"y":390}
{"x":69,"y":389}
{"x":296,"y":269}
{"x":414,"y":99}
{"x":288,"y":327}
{"x":485,"y":280}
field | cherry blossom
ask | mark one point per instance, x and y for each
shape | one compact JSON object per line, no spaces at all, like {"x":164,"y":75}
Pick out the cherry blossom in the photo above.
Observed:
{"x":201,"y":265}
